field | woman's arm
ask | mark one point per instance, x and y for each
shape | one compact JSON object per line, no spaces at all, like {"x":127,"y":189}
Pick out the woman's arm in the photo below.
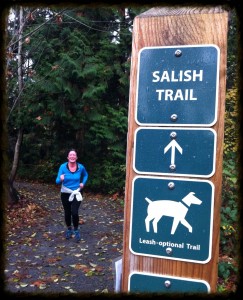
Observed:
{"x":59,"y":180}
{"x":84,"y":177}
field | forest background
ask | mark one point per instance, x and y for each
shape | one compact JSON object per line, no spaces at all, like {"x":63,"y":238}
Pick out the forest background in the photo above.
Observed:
{"x":67,"y":86}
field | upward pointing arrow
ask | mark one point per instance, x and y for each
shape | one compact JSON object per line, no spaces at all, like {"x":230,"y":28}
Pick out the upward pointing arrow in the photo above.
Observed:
{"x":173,"y":145}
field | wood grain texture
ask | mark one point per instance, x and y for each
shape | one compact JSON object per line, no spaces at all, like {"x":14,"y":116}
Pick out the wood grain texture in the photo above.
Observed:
{"x":168,"y":26}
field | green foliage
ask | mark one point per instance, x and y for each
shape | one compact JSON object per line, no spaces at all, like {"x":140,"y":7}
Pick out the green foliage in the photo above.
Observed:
{"x":46,"y":171}
{"x":107,"y":178}
{"x":233,"y":49}
{"x":225,"y":269}
{"x":229,"y":228}
{"x":107,"y":136}
{"x":231,"y":132}
{"x":75,"y":94}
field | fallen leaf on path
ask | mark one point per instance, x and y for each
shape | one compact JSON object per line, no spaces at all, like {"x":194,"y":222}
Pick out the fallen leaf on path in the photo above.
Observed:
{"x":54,"y":259}
{"x":22,"y":284}
{"x":38,"y":283}
{"x":92,"y":265}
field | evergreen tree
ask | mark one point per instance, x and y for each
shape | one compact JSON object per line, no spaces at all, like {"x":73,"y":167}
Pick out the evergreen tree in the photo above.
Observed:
{"x":76,"y":66}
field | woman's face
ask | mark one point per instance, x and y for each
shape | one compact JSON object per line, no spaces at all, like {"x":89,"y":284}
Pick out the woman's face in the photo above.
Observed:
{"x":72,"y":156}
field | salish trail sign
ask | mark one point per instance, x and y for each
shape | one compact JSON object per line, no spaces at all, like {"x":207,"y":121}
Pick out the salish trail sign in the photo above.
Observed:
{"x":178,"y":85}
{"x":175,"y":150}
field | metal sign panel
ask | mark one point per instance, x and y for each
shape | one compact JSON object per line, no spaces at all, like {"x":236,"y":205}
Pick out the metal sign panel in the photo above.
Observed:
{"x":165,"y":284}
{"x":175,"y":151}
{"x":178,"y":85}
{"x":172,"y":218}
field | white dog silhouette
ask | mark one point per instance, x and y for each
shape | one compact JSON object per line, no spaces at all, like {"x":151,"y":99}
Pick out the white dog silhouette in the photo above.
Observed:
{"x":178,"y":210}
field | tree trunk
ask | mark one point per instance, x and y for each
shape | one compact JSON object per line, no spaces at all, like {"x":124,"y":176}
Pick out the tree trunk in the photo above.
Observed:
{"x":13,"y":193}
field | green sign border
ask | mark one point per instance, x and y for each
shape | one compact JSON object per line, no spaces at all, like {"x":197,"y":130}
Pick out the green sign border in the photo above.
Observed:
{"x":147,"y":86}
{"x":163,"y":254}
{"x":177,"y":172}
{"x":174,"y":279}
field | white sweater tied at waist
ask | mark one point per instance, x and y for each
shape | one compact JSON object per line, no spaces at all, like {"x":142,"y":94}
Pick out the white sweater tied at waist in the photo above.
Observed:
{"x":76,"y":193}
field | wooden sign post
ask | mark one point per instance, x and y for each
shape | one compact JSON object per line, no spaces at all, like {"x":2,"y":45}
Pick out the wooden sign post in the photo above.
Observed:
{"x":175,"y":150}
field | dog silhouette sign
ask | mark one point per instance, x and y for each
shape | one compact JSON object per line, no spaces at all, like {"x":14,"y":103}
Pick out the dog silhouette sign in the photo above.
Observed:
{"x":177,"y":210}
{"x":172,"y":218}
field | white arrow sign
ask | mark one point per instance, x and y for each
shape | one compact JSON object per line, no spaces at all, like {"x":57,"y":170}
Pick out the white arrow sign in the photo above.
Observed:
{"x":173,"y":144}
